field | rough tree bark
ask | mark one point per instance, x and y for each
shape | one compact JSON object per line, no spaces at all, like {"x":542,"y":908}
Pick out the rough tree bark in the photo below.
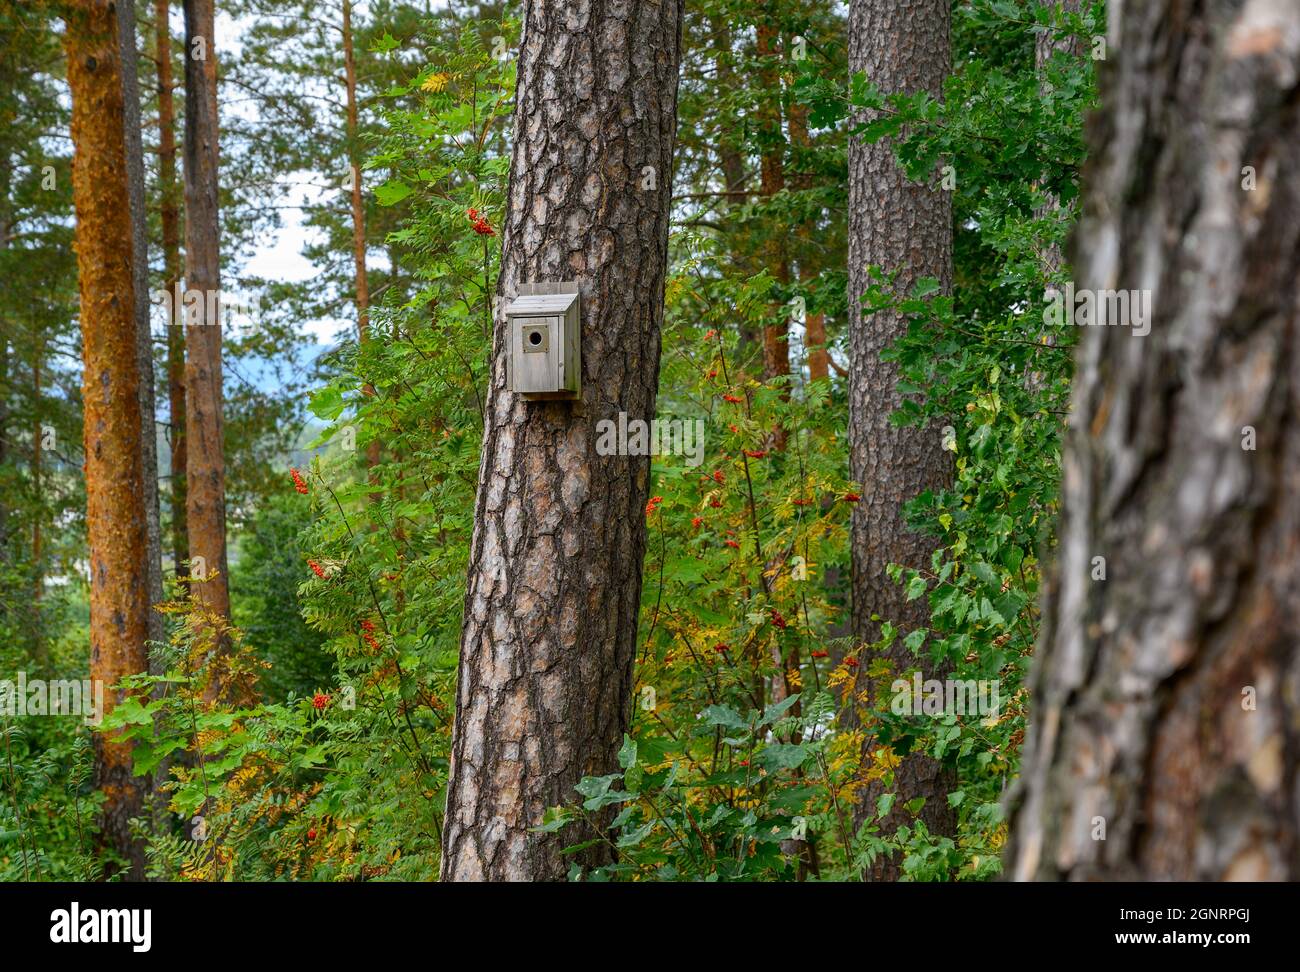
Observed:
{"x":170,"y":218}
{"x":205,"y":460}
{"x":905,"y":226}
{"x":1165,"y":697}
{"x":144,"y":336}
{"x":115,"y":496}
{"x":555,"y":570}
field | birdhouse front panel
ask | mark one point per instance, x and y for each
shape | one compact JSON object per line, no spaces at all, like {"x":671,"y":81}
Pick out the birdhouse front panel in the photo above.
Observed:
{"x":545,"y":331}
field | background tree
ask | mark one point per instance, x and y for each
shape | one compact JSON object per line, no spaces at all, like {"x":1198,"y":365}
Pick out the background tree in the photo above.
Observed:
{"x":204,"y":436}
{"x":126,"y":15}
{"x":903,"y":227}
{"x":169,"y":217}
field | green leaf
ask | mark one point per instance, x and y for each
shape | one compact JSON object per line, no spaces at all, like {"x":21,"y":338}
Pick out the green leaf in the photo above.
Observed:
{"x":627,"y":754}
{"x":326,"y":403}
{"x":392,"y":192}
{"x":782,"y":756}
{"x":778,"y":709}
{"x":724,"y":715}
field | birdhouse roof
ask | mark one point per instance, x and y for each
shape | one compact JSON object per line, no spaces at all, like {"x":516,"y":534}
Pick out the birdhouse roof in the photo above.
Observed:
{"x":535,"y":304}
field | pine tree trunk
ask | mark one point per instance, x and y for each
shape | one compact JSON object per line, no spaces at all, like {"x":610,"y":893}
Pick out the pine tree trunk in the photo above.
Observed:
{"x":205,"y":460}
{"x":905,"y":226}
{"x":358,"y":209}
{"x":40,"y":648}
{"x":776,"y":334}
{"x":814,"y":322}
{"x":734,"y":176}
{"x":115,"y":495}
{"x":4,"y":380}
{"x":1165,"y":709}
{"x":144,"y":337}
{"x":170,"y":218}
{"x":555,"y":571}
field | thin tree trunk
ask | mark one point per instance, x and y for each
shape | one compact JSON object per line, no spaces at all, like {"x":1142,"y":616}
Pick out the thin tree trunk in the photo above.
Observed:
{"x":897,"y":224}
{"x":555,"y":565}
{"x":1164,"y":740}
{"x":814,"y":322}
{"x":734,"y":176}
{"x":170,"y":218}
{"x":776,"y":335}
{"x":144,"y":337}
{"x":8,"y":320}
{"x":1046,"y":46}
{"x":115,"y":497}
{"x":205,"y":460}
{"x":358,"y":209}
{"x":40,"y":650}
{"x":4,"y":382}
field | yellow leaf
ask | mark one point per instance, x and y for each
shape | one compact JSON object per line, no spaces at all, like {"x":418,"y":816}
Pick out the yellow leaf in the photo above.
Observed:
{"x":436,"y":82}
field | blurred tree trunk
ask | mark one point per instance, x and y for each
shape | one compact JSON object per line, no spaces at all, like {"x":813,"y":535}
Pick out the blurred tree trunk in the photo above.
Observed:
{"x":205,"y":461}
{"x":115,"y":495}
{"x":555,"y":564}
{"x":905,"y":226}
{"x":1166,"y":696}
